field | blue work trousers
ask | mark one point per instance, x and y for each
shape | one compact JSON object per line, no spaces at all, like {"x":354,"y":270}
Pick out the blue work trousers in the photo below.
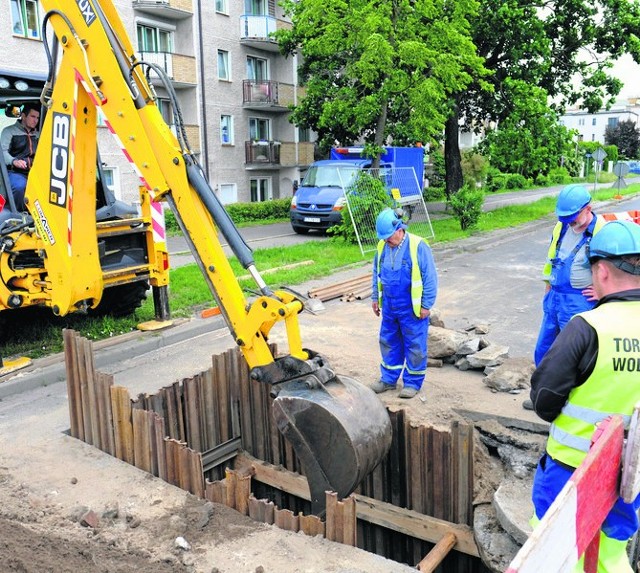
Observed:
{"x":403,"y":346}
{"x":18,"y":182}
{"x":558,"y":306}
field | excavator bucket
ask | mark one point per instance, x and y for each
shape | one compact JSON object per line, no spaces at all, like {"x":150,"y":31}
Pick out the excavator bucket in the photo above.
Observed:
{"x":339,"y":429}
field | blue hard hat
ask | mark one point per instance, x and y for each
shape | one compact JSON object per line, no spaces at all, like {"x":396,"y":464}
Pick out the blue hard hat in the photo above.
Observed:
{"x":572,"y":199}
{"x":388,"y":223}
{"x":616,"y":239}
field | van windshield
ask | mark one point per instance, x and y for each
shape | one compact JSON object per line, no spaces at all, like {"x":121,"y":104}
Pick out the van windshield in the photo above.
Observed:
{"x":330,"y":176}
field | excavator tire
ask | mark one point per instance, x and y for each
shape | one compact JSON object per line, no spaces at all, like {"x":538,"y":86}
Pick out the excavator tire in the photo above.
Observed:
{"x":121,"y":300}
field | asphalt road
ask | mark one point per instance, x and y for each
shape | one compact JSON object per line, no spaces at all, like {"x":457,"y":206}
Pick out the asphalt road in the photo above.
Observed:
{"x":282,"y":235}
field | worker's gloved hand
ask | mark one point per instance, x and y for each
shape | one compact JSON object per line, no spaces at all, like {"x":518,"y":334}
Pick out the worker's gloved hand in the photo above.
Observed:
{"x":375,"y":307}
{"x":590,"y":294}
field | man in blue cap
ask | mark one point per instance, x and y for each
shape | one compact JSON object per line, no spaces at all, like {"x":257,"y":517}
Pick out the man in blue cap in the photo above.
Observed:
{"x":567,"y":274}
{"x":404,"y":276}
{"x":591,"y":372}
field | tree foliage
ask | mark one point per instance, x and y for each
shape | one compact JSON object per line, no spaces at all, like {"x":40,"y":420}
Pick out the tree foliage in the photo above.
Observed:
{"x":626,"y":137}
{"x":530,"y":141}
{"x":379,"y":70}
{"x":564,"y":47}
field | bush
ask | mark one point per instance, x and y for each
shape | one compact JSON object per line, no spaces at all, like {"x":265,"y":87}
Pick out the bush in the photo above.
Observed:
{"x":433,"y":194}
{"x":515,"y":181}
{"x":542,"y":180}
{"x":495,"y":180}
{"x":259,"y":211}
{"x":466,"y":206}
{"x":242,"y":213}
{"x":367,"y":197}
{"x":474,"y":168}
{"x":559,"y":175}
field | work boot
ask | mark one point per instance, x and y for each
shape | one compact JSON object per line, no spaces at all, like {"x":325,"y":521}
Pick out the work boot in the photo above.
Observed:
{"x":379,"y":387}
{"x":407,"y":392}
{"x":527,"y":404}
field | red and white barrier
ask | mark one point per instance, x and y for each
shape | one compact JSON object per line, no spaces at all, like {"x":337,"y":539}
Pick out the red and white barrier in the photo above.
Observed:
{"x":571,"y":527}
{"x":633,"y":216}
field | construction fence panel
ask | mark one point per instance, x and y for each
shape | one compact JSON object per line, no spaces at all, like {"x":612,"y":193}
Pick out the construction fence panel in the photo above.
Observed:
{"x":403,"y":191}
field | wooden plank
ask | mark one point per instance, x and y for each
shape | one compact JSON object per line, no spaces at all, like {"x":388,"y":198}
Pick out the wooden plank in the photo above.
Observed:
{"x":191,"y":422}
{"x":184,"y":481}
{"x":256,"y":508}
{"x":235,"y":356}
{"x":231,"y":477}
{"x":243,"y":491}
{"x":94,"y":407}
{"x":210,"y":431}
{"x":349,"y":521}
{"x":243,"y":391}
{"x":222,"y":387}
{"x":179,"y":397}
{"x":216,"y":491}
{"x":196,"y":474}
{"x":575,"y":517}
{"x":123,"y":430}
{"x":441,"y":549}
{"x":153,"y":447}
{"x":73,"y":384}
{"x":84,"y":392}
{"x":464,"y":494}
{"x":374,"y":511}
{"x":331,"y":515}
{"x":141,"y":441}
{"x":103,"y":391}
{"x":161,"y":446}
{"x":169,"y":444}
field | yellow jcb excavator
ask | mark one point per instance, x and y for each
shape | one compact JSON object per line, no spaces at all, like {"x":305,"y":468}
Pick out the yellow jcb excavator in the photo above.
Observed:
{"x":339,"y":428}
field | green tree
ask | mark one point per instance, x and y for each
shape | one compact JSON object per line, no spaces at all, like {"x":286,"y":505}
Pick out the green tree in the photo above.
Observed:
{"x":530,"y":141}
{"x":626,"y":137}
{"x":379,"y":70}
{"x":545,"y":44}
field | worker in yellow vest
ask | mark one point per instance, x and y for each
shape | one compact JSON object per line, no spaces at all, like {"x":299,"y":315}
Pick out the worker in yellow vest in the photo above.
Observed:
{"x":592,"y":371}
{"x":404,"y":290}
{"x":567,"y":274}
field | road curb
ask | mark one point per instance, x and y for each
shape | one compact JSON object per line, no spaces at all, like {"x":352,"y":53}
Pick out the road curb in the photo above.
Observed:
{"x":52,"y":369}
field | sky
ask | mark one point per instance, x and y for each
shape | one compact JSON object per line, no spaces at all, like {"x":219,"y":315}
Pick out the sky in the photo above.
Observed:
{"x":626,"y":70}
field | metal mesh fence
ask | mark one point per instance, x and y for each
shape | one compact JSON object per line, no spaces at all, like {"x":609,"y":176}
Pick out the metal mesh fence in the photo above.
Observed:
{"x":375,"y":189}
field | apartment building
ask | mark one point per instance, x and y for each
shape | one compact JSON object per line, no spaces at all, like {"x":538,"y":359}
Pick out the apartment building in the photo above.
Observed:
{"x":592,"y":126}
{"x":232,"y":85}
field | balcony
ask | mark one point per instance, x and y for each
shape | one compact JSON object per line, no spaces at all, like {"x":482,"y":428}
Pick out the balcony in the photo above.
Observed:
{"x":256,"y":31}
{"x":269,"y":95}
{"x":294,"y":154}
{"x":276,"y":154}
{"x":172,"y":9}
{"x":181,"y":69}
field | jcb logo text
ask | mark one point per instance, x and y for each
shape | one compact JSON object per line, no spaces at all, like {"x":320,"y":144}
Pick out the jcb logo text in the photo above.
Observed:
{"x":59,"y":160}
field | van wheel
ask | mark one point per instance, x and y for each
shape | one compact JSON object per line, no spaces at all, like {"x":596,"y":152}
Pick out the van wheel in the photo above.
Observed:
{"x":300,"y":230}
{"x":121,"y":300}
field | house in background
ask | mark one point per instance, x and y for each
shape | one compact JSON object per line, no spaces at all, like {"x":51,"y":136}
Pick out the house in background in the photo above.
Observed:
{"x":232,"y":85}
{"x":591,"y":126}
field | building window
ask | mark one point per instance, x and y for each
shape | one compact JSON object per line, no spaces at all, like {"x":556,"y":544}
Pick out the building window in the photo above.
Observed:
{"x":224,"y":72}
{"x":260,"y":189}
{"x":111,"y":181}
{"x":255,"y":7}
{"x":228,"y":193}
{"x":25,"y":18}
{"x":257,"y":69}
{"x":259,"y":129}
{"x":581,"y":121}
{"x":304,"y":134}
{"x":612,"y":122}
{"x":166,"y":111}
{"x":593,"y":121}
{"x":226,"y":130}
{"x":154,"y":39}
{"x":221,"y":6}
